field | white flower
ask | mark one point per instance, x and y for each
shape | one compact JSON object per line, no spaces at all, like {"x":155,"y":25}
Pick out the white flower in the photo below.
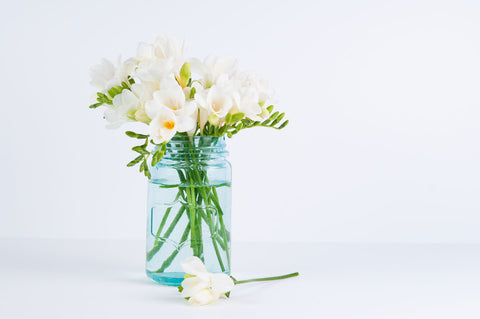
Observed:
{"x":124,"y":106}
{"x":106,"y":75}
{"x":246,"y":101}
{"x":163,"y":126}
{"x":172,"y":97}
{"x":159,"y":60}
{"x":144,"y":91}
{"x":214,"y":70}
{"x":251,"y":95}
{"x":155,"y":70}
{"x":202,"y":287}
{"x":215,"y":101}
{"x":162,"y":49}
{"x":169,"y":48}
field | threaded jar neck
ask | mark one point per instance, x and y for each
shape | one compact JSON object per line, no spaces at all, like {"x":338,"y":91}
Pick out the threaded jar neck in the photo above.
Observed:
{"x":196,"y":147}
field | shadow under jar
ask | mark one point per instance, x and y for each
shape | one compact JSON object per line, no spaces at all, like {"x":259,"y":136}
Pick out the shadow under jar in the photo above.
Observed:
{"x":189,"y":208}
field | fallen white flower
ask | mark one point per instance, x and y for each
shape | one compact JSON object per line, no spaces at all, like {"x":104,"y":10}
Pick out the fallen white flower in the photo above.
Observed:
{"x":200,"y":286}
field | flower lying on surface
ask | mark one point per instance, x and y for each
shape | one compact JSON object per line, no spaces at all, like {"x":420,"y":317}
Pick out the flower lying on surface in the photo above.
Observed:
{"x":202,"y":288}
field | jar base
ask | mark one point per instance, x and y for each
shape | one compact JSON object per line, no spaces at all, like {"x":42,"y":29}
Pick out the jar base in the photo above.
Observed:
{"x":167,"y":278}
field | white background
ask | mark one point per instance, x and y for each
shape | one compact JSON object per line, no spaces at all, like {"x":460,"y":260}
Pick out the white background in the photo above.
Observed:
{"x":382,"y":96}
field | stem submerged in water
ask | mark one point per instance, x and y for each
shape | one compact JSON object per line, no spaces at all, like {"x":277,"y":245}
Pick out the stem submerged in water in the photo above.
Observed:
{"x":200,"y":203}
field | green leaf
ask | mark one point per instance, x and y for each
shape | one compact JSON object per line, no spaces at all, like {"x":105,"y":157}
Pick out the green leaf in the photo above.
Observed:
{"x":180,"y":288}
{"x":102,"y":96}
{"x":273,"y":116}
{"x":222,"y":130}
{"x":277,"y":120}
{"x":135,"y":161}
{"x":246,"y":122}
{"x":142,"y":166}
{"x":158,"y":153}
{"x":270,"y":109}
{"x":157,"y":157}
{"x":266,"y":122}
{"x":115,"y":91}
{"x":237,"y":117}
{"x":283,"y":125}
{"x":135,"y":135}
{"x":94,"y":106}
{"x":140,"y":149}
{"x":227,"y":294}
{"x":228,"y":118}
{"x":146,"y":171}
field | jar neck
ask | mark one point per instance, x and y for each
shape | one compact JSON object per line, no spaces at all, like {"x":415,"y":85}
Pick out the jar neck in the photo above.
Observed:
{"x":198,"y":148}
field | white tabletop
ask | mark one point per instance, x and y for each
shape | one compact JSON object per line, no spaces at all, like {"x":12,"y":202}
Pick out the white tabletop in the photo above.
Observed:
{"x":105,"y":279}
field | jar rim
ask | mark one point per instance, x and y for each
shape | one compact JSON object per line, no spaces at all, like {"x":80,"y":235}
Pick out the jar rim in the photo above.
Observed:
{"x":196,"y":137}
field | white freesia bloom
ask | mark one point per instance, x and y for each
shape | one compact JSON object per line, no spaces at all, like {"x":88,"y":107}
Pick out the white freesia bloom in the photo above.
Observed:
{"x":124,"y":106}
{"x":144,"y":91}
{"x":172,"y":97}
{"x":107,"y":74}
{"x":163,"y":126}
{"x":169,"y":48}
{"x":214,"y":70}
{"x":155,"y":70}
{"x":215,"y":101}
{"x":162,"y":49}
{"x":202,"y":287}
{"x":160,"y":59}
{"x":250,"y":94}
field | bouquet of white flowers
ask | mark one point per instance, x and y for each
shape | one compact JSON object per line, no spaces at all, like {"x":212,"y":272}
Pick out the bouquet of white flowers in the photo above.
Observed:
{"x":188,"y":106}
{"x":173,"y":96}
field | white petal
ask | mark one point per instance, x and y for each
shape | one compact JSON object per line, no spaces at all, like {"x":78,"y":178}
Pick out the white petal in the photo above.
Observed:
{"x":190,"y":107}
{"x":226,"y":64}
{"x":186,"y":123}
{"x":203,"y":117}
{"x":221,"y":283}
{"x":193,"y":285}
{"x":125,"y":101}
{"x":170,"y":96}
{"x":167,"y":134}
{"x":193,"y":266}
{"x":197,"y":66}
{"x":145,"y":51}
{"x":102,"y":73}
{"x":204,"y":297}
{"x":152,"y":108}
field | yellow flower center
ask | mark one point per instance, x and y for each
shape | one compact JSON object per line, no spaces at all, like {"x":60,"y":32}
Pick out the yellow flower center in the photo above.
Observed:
{"x":169,"y":125}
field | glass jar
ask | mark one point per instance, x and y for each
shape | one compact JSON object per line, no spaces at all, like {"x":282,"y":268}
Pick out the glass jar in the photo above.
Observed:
{"x":189,"y":208}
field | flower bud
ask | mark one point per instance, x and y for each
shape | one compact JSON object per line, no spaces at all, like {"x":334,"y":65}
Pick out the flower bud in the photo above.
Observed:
{"x":213,"y":119}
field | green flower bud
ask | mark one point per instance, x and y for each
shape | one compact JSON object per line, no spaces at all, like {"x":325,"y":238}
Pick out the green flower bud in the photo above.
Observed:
{"x":213,"y":119}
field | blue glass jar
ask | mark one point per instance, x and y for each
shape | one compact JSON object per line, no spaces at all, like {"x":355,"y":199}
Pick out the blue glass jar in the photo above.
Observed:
{"x":189,"y":208}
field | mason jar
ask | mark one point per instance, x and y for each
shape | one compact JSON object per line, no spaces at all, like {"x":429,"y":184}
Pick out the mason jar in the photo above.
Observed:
{"x":189,"y":208}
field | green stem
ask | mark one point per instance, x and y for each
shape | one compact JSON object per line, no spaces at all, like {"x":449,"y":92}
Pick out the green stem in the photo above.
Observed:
{"x":222,"y":224}
{"x":191,"y":208}
{"x":165,"y":217}
{"x":157,"y":247}
{"x":174,"y":254}
{"x":237,"y":282}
